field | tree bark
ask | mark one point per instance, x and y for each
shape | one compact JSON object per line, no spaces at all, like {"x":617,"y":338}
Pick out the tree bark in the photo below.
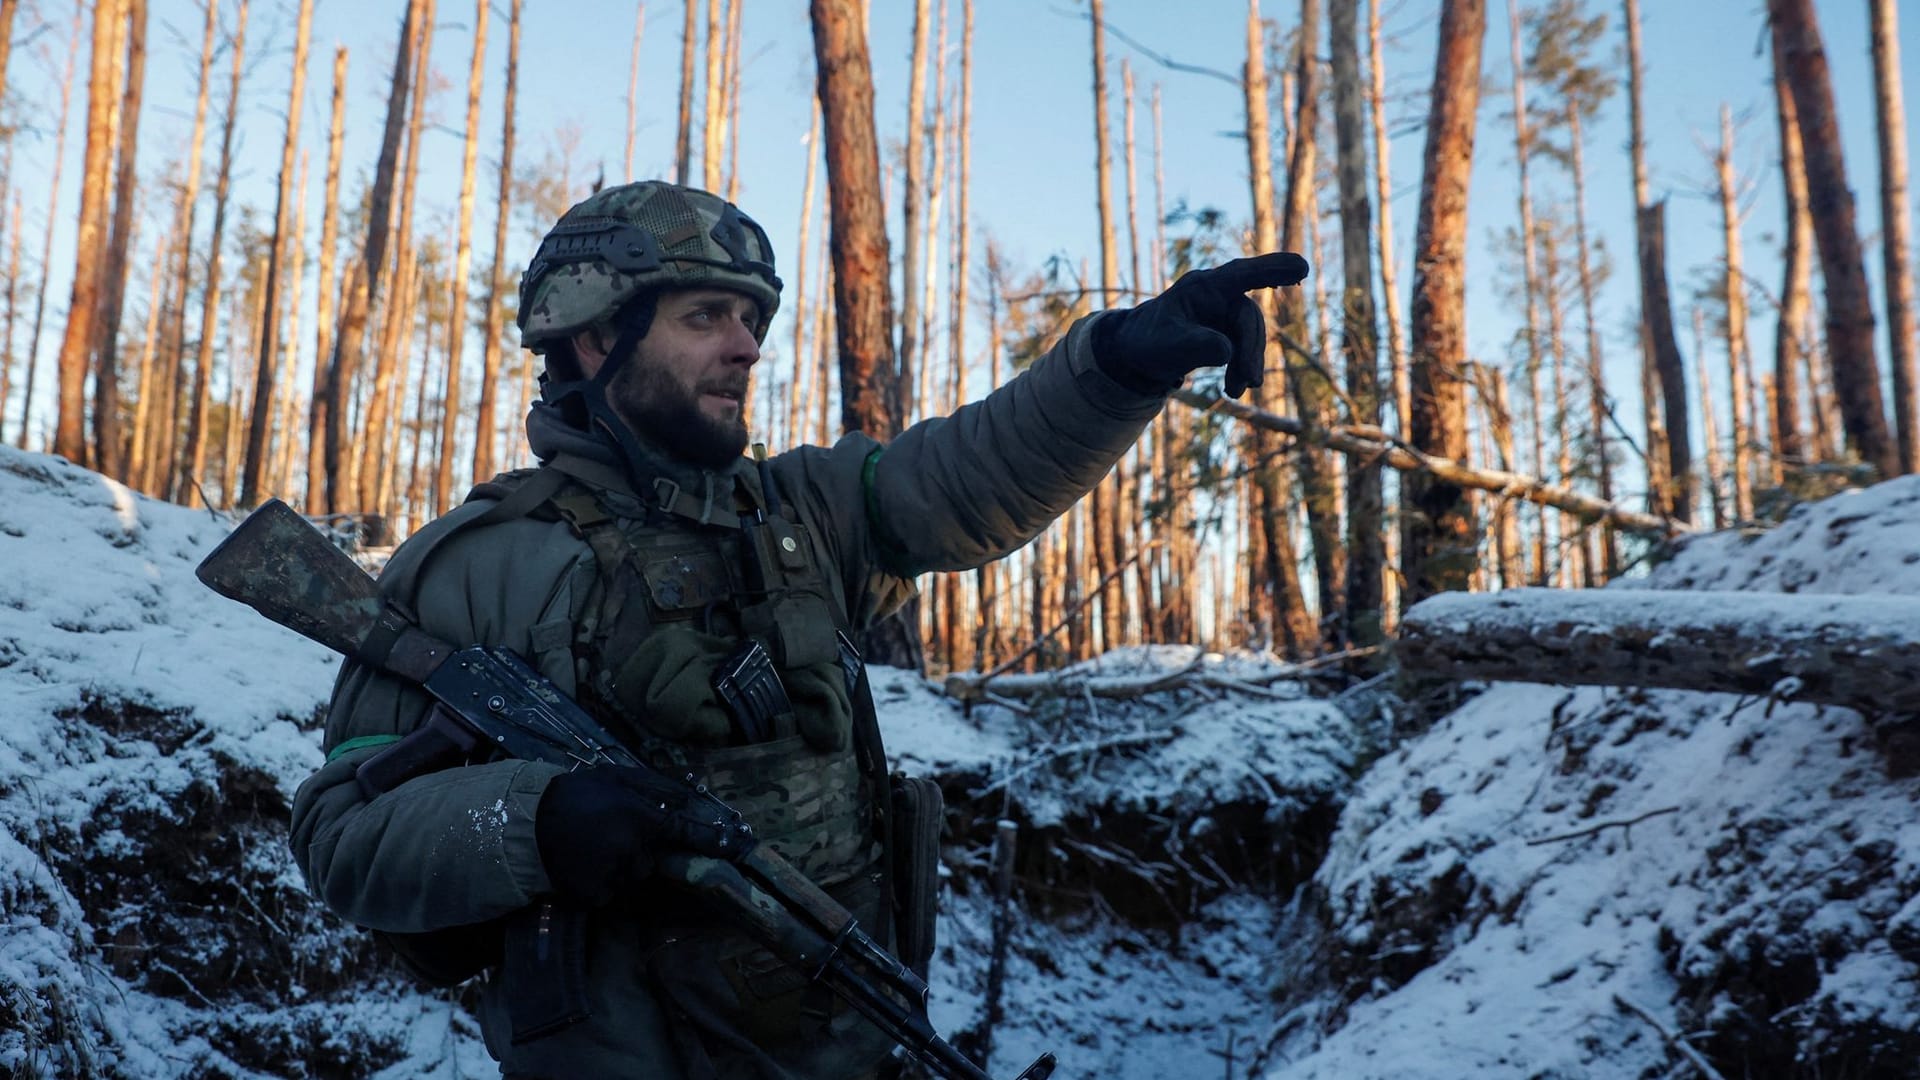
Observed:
{"x":1530,"y":275}
{"x":1789,"y":347}
{"x":683,"y":134}
{"x":714,"y":117}
{"x":259,"y":433}
{"x":350,"y":340}
{"x":1359,"y":334}
{"x":1896,"y":231}
{"x":1735,"y":286}
{"x":462,"y":263}
{"x":1438,"y":550}
{"x":913,"y":206}
{"x":1661,"y":367}
{"x":1669,"y":367}
{"x":633,"y":94}
{"x":1852,"y":651}
{"x":862,"y":293}
{"x":483,"y":462}
{"x":1856,"y":371}
{"x":83,"y":310}
{"x":320,"y":406}
{"x":1278,"y":607}
{"x":1383,"y":192}
{"x":109,"y":451}
{"x":210,"y":310}
{"x":162,"y":477}
{"x":1716,"y":466}
{"x":53,"y":216}
{"x":1106,"y":495}
{"x":1599,"y":402}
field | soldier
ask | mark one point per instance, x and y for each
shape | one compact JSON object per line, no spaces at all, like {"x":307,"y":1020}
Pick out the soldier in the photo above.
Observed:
{"x":700,"y":604}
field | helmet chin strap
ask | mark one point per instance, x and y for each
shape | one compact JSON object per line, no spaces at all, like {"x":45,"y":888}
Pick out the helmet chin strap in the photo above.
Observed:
{"x":592,"y":393}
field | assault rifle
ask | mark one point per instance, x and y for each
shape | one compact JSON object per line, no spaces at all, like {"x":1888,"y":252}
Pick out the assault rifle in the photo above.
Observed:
{"x":489,"y":700}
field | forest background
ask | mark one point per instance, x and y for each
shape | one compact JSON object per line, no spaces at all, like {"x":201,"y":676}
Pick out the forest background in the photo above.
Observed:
{"x":1007,"y":147}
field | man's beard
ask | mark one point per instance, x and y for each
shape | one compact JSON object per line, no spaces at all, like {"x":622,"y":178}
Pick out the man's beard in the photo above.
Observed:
{"x":667,"y":413}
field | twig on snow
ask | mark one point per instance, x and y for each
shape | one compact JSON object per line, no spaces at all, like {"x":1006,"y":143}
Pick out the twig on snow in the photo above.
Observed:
{"x":1589,"y":831}
{"x":1679,"y":1044}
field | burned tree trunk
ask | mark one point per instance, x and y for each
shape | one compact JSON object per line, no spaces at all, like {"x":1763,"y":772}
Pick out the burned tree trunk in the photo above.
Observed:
{"x":319,"y":407}
{"x":109,"y":453}
{"x":462,"y":262}
{"x":76,"y":350}
{"x":209,"y":312}
{"x":1789,"y":347}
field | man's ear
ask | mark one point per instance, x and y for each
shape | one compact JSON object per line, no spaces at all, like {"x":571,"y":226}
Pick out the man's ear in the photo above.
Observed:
{"x":588,"y":351}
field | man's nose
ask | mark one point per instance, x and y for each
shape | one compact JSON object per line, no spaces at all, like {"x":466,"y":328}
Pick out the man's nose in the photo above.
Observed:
{"x":742,"y":346}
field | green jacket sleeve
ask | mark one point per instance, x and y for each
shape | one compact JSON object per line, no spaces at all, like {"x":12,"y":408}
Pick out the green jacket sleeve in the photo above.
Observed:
{"x":456,"y":846}
{"x":958,"y":491}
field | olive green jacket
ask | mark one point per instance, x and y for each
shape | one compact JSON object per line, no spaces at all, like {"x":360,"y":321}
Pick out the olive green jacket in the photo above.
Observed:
{"x":457,"y":846}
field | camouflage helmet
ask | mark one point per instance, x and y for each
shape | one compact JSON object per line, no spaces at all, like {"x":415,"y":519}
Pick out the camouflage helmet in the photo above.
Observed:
{"x":623,"y":241}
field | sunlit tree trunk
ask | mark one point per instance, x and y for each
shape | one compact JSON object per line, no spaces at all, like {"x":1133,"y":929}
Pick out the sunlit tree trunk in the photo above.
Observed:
{"x":1896,"y":232}
{"x":462,"y":263}
{"x":1789,"y":348}
{"x":109,"y":444}
{"x":162,"y":475}
{"x":1439,"y":545}
{"x":374,"y":461}
{"x":83,"y":311}
{"x":486,"y":426}
{"x":209,"y":311}
{"x":1111,"y":602}
{"x":1278,"y":605}
{"x":1709,"y":427}
{"x":633,"y":95}
{"x":1599,"y":407}
{"x":683,"y":133}
{"x":1735,"y":285}
{"x":350,"y":341}
{"x":53,"y":217}
{"x":259,"y":433}
{"x":318,"y":405}
{"x":146,"y":375}
{"x":1359,"y":338}
{"x":713,"y":117}
{"x":1383,"y":194}
{"x":1530,"y":279}
{"x":913,"y":202}
{"x":1850,"y":353}
{"x":13,"y":306}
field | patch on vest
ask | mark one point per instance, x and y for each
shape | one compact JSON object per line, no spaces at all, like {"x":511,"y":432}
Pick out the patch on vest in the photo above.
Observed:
{"x":688,"y":580}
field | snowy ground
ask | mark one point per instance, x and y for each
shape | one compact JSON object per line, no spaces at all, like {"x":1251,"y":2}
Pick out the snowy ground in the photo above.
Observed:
{"x":1482,"y":917}
{"x":1484,"y":908}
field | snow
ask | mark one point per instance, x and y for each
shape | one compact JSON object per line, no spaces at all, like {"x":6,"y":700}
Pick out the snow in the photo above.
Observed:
{"x":1746,"y":872}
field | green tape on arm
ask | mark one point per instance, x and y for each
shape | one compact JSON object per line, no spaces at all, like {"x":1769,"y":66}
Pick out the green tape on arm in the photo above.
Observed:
{"x":361,"y":743}
{"x":891,"y":554}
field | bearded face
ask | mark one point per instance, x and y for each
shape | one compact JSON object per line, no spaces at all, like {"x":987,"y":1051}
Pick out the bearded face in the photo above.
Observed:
{"x":701,"y":422}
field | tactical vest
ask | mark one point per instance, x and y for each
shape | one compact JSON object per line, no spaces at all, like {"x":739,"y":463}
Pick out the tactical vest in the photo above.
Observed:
{"x":663,"y":653}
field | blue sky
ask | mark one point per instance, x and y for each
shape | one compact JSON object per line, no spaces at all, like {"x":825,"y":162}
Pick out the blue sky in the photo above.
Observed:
{"x":1033,"y":183}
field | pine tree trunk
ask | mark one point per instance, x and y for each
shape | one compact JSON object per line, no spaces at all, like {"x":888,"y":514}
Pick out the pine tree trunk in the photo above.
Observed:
{"x":1359,"y":336}
{"x":1439,"y":546}
{"x":1789,"y":348}
{"x":683,"y":134}
{"x":1735,"y":287}
{"x":1895,"y":230}
{"x":1599,"y":404}
{"x":800,"y":259}
{"x":145,"y":375}
{"x":1530,"y":278}
{"x":374,"y":461}
{"x":13,"y":310}
{"x":1572,"y":550}
{"x":209,"y":313}
{"x":633,"y":94}
{"x":862,"y":293}
{"x":863,"y":302}
{"x":1709,"y":427}
{"x":350,"y":341}
{"x":1856,"y":372}
{"x":462,"y":263}
{"x":83,"y":310}
{"x":263,"y":391}
{"x":913,"y":208}
{"x":280,"y":476}
{"x":1308,"y":383}
{"x":320,"y":405}
{"x":109,"y":444}
{"x":1278,"y":608}
{"x":732,"y":110}
{"x":1106,"y":494}
{"x":1662,"y":379}
{"x":1508,"y":545}
{"x":712,"y":114}
{"x":53,"y":216}
{"x":1383,"y":194}
{"x":8,"y":9}
{"x":484,"y":422}
{"x":163,"y":477}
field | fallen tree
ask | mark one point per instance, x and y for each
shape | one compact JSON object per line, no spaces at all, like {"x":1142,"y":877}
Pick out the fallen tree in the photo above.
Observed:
{"x":1855,"y":651}
{"x":1371,"y":442}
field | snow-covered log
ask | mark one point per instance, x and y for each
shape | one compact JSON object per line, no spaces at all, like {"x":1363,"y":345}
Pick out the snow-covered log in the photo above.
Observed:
{"x":1857,"y":651}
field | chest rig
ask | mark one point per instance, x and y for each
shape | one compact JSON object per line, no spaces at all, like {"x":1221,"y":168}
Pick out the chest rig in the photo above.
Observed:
{"x":707,"y":642}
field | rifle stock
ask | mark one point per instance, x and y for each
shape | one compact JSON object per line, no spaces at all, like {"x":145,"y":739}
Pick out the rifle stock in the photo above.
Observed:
{"x":281,"y":566}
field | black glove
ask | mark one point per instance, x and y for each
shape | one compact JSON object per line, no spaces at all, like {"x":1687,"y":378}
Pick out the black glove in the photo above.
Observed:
{"x":1203,"y":320}
{"x":599,"y":829}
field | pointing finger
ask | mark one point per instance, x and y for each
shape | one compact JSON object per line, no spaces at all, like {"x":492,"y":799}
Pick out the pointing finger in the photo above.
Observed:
{"x":1260,"y":271}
